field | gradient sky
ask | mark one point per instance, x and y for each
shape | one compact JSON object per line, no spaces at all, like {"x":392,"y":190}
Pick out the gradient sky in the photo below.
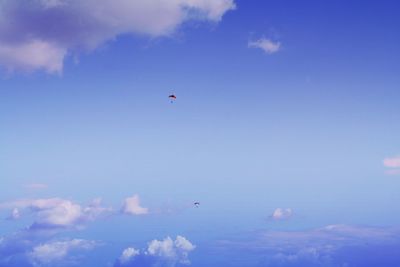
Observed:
{"x":296,"y":143}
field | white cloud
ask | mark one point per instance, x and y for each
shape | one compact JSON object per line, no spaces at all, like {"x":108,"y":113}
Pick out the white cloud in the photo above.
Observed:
{"x":27,"y":248}
{"x":183,"y":247}
{"x":309,"y":254}
{"x":164,"y":248}
{"x":328,"y":237}
{"x":393,"y":162}
{"x":177,"y":250}
{"x":267,"y":45}
{"x":95,"y":209}
{"x":15,"y":214}
{"x":183,"y":244}
{"x":128,"y":254}
{"x":58,"y":250}
{"x":132,"y":206}
{"x":167,"y":252}
{"x":31,"y":55}
{"x":41,"y":34}
{"x":282,"y":214}
{"x":57,"y":212}
{"x":330,"y":246}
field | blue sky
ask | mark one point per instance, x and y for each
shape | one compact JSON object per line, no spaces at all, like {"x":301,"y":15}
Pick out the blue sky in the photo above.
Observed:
{"x":285,"y":127}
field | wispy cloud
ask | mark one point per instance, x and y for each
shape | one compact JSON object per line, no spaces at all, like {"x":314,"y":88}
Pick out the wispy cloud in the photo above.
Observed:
{"x":393,"y":172}
{"x":56,"y":251}
{"x":267,"y":45}
{"x":40,"y":34}
{"x":330,"y":246}
{"x":393,"y":163}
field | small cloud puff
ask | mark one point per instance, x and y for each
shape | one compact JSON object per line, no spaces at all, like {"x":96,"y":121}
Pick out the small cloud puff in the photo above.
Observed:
{"x":166,"y":252}
{"x":132,"y":206}
{"x":267,"y":45}
{"x":393,"y":163}
{"x":282,"y":214}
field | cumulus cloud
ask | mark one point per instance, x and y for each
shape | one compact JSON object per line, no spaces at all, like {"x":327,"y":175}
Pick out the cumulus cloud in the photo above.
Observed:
{"x":51,"y":252}
{"x":37,"y":244}
{"x":267,"y":45}
{"x":58,"y":213}
{"x":39,"y":34}
{"x":183,"y":247}
{"x":30,"y":249}
{"x":132,"y":206}
{"x":177,"y":250}
{"x":282,"y":214}
{"x":128,"y":254}
{"x":167,"y":252}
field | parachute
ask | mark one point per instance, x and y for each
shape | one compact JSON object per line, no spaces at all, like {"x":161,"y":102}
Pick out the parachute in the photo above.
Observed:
{"x":172,"y":98}
{"x":196,"y":204}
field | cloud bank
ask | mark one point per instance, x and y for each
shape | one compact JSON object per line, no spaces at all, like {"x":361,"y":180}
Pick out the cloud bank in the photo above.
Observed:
{"x":26,"y":249}
{"x":39,"y":244}
{"x":56,"y":213}
{"x":330,"y":246}
{"x":38,"y":34}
